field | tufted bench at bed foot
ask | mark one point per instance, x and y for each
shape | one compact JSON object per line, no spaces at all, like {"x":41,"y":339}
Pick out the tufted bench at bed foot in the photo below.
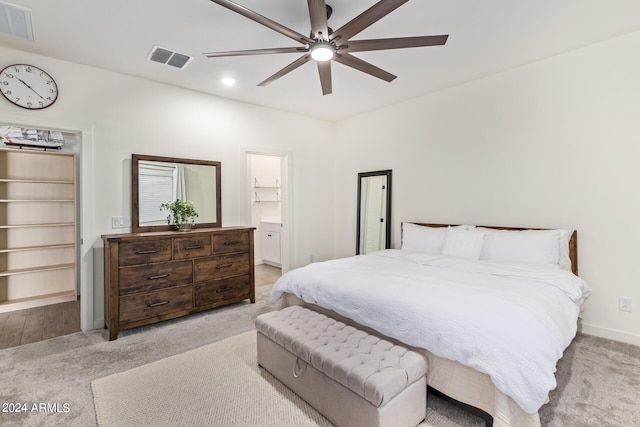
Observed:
{"x":353,"y":378}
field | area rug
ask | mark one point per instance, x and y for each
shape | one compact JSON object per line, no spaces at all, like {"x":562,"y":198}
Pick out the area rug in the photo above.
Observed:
{"x":219,"y":384}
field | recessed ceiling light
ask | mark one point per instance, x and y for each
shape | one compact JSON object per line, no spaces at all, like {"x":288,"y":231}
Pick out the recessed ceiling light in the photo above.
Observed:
{"x":228,"y":81}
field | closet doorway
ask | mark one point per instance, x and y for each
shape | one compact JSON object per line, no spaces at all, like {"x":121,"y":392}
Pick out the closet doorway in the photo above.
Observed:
{"x":39,"y":237}
{"x":78,"y":139}
{"x":268,"y":176}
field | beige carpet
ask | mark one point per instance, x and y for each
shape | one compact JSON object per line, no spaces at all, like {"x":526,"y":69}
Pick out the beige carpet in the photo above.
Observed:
{"x":219,"y":384}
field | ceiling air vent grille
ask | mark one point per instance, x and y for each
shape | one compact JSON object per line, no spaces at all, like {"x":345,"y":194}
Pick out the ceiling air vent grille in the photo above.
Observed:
{"x":169,"y":57}
{"x":15,"y":21}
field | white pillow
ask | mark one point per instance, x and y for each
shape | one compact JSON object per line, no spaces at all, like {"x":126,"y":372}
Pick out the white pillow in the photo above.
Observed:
{"x":463,"y":242}
{"x":564,"y":262}
{"x":419,"y":238}
{"x":532,"y":246}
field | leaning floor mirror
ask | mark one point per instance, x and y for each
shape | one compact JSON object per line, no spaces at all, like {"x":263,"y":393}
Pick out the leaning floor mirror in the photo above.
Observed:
{"x":374,"y":211}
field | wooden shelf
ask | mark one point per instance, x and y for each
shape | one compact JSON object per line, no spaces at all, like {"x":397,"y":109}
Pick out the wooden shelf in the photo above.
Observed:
{"x":36,"y":200}
{"x":37,"y":301}
{"x":48,"y":224}
{"x":36,"y":269}
{"x":39,"y":247}
{"x":34,"y":181}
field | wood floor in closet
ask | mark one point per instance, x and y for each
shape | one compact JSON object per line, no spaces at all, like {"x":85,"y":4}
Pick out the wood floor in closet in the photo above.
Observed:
{"x":39,"y":323}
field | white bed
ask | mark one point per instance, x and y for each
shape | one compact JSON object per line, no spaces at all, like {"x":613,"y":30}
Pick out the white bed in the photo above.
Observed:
{"x":492,"y":310}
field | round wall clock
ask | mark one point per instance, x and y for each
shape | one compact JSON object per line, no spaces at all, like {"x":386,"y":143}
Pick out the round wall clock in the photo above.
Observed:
{"x":28,"y":86}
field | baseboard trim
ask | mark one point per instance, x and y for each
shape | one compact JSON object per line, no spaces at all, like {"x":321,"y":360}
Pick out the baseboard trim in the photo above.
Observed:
{"x":98,"y":323}
{"x":612,"y":334}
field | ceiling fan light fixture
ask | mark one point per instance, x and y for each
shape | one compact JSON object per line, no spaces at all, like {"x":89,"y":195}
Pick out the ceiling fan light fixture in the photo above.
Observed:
{"x":323,"y":44}
{"x":322,"y":52}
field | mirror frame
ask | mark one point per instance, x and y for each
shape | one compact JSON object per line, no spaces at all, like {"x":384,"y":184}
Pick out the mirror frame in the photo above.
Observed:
{"x":362,"y":175}
{"x":135,"y":217}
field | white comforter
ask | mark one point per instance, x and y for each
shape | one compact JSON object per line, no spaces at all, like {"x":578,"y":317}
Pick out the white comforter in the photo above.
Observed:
{"x":509,"y":321}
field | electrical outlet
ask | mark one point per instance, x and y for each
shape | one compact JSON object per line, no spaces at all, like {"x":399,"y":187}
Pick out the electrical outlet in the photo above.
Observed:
{"x":625,"y":304}
{"x":126,"y":221}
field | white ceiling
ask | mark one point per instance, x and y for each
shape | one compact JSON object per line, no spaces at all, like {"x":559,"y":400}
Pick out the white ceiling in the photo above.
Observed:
{"x":485,"y":37}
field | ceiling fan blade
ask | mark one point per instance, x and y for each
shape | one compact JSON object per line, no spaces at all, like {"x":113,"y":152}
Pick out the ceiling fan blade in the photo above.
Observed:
{"x":365,"y":67}
{"x":367,"y":18}
{"x":256,"y":52}
{"x":324,"y":70}
{"x":394,"y":43}
{"x":254,"y":16}
{"x":295,"y":64}
{"x":318,"y":16}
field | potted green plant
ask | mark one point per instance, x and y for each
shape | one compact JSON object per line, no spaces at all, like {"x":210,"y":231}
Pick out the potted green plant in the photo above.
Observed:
{"x":182,"y":214}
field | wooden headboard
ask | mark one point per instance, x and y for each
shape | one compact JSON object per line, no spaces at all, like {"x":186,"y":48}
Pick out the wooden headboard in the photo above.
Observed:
{"x":573,"y":240}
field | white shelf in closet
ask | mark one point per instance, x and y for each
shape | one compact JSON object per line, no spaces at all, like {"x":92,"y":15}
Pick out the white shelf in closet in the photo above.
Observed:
{"x":30,"y":248}
{"x":46,"y":224}
{"x":270,"y":196}
{"x":35,"y":200}
{"x":37,"y":181}
{"x":34,"y":269}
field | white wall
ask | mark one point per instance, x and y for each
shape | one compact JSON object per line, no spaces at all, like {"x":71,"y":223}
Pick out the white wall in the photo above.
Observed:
{"x":121,"y":115}
{"x":555,"y":143}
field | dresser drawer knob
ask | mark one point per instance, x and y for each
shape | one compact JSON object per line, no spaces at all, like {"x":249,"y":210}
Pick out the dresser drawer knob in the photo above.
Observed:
{"x":218,"y":267}
{"x":188,"y":248}
{"x":159,"y":276}
{"x":223,"y":289}
{"x":237,"y":242}
{"x":156,"y":304}
{"x":153,"y":251}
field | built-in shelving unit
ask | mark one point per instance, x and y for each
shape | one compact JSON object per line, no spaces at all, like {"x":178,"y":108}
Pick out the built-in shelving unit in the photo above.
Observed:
{"x":38,"y":247}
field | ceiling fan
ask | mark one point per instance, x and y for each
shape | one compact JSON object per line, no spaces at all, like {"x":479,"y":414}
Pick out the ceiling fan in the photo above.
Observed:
{"x":325,"y":45}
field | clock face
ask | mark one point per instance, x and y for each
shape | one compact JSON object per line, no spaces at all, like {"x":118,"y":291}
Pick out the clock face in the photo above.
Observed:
{"x":28,"y":86}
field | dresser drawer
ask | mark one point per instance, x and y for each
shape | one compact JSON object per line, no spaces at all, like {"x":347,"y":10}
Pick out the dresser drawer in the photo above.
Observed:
{"x":144,"y":252}
{"x":219,"y":290}
{"x":151,"y":304}
{"x":151,"y":277}
{"x":230,"y":242}
{"x":191,"y":247}
{"x":219,"y":267}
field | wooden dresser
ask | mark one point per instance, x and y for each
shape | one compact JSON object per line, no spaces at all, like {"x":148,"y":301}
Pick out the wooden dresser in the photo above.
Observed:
{"x":150,"y":277}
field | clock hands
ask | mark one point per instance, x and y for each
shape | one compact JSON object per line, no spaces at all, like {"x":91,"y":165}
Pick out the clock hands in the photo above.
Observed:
{"x":32,"y":89}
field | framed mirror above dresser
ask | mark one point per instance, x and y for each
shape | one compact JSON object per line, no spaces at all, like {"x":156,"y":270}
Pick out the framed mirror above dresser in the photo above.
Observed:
{"x":156,"y":180}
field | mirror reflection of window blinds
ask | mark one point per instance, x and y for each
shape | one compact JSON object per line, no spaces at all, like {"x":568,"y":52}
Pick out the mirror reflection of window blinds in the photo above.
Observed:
{"x":157,"y":185}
